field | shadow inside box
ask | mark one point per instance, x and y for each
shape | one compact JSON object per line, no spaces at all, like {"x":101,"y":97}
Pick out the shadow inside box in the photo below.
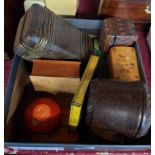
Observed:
{"x":61,"y":134}
{"x":19,"y":131}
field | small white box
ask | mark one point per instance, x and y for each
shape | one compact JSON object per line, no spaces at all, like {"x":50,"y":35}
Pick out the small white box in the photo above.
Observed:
{"x":59,"y":7}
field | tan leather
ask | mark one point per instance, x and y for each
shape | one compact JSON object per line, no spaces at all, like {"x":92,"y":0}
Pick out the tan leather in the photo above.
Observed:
{"x":123,"y":64}
{"x":56,"y":68}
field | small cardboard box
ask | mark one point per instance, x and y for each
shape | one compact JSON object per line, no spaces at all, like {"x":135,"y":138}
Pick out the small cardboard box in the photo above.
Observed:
{"x":20,"y":77}
{"x":60,"y":7}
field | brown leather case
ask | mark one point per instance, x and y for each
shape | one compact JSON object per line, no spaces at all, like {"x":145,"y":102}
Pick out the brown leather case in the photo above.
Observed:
{"x":56,"y":68}
{"x":42,"y":34}
{"x":118,"y":109}
{"x":115,"y":31}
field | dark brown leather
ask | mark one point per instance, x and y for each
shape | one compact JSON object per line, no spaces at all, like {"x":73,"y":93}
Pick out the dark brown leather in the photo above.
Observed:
{"x":42,"y":34}
{"x":118,"y":108}
{"x":115,"y":31}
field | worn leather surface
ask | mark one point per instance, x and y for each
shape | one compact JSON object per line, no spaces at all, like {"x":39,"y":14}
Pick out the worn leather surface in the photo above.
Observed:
{"x":118,"y":108}
{"x":115,"y":31}
{"x":42,"y":34}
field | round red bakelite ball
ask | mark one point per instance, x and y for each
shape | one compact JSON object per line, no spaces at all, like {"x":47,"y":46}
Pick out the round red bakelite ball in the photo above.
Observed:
{"x":42,"y":115}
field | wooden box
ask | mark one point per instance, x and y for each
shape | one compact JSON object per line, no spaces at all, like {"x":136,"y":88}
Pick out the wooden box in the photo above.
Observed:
{"x":134,"y":10}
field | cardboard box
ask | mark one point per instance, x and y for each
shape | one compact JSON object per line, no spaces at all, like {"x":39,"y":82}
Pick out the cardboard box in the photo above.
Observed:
{"x":20,"y":76}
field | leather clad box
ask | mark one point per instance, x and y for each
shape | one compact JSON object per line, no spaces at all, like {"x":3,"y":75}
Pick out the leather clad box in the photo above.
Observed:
{"x":47,"y":36}
{"x":116,"y":32}
{"x":20,"y":76}
{"x":123,"y":64}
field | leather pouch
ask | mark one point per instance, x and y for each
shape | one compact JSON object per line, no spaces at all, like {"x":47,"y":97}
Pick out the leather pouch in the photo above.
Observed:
{"x":42,"y":34}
